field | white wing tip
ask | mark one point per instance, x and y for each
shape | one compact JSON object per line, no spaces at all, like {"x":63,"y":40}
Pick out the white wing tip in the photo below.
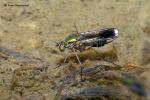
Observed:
{"x":116,"y":32}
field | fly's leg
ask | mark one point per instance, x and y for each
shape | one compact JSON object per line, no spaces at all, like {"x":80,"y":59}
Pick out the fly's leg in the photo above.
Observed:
{"x":81,"y":66}
{"x":94,"y":50}
{"x":105,"y":59}
{"x":66,"y":59}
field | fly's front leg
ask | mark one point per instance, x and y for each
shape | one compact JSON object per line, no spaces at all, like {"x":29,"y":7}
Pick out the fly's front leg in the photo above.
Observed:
{"x":65,"y":59}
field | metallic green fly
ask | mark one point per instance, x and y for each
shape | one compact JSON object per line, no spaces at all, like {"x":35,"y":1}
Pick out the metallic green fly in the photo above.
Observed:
{"x":80,"y":40}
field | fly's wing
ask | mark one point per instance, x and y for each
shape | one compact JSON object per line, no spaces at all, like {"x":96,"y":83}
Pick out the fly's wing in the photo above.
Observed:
{"x":89,"y":34}
{"x":98,"y":38}
{"x":93,"y":42}
{"x":105,"y":33}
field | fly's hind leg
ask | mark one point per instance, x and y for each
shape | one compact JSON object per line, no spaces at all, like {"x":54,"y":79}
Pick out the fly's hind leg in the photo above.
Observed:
{"x":104,"y":59}
{"x":90,"y":48}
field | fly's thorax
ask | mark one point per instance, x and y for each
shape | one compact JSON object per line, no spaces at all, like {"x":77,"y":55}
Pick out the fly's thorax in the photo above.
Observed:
{"x":71,"y":38}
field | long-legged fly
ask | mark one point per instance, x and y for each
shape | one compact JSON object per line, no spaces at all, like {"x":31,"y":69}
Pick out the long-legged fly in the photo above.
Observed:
{"x":80,"y":40}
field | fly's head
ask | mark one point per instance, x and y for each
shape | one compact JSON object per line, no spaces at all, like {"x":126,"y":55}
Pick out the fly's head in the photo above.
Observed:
{"x":61,"y":46}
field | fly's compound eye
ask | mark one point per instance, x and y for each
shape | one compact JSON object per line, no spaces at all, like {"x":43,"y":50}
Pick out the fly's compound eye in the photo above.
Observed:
{"x":57,"y":44}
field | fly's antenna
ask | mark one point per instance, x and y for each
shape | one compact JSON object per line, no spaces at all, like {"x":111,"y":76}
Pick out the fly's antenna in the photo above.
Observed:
{"x":54,"y":42}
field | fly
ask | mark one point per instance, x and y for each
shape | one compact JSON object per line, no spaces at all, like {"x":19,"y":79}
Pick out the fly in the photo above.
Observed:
{"x":79,"y":41}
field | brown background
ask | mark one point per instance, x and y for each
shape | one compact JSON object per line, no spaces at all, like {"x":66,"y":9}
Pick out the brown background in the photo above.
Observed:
{"x":26,"y":29}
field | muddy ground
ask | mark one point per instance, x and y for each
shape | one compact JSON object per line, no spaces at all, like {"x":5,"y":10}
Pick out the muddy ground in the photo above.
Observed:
{"x":28,"y":61}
